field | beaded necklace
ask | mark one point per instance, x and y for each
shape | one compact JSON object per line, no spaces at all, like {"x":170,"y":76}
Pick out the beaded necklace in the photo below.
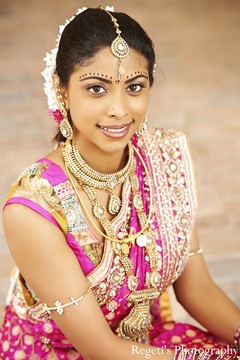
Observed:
{"x":138,"y":322}
{"x":94,"y":179}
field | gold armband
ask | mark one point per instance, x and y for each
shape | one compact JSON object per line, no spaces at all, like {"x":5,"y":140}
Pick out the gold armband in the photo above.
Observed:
{"x":59,"y":306}
{"x":198,"y":251}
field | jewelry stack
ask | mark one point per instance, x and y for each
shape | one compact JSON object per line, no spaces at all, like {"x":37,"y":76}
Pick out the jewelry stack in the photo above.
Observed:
{"x":138,"y":322}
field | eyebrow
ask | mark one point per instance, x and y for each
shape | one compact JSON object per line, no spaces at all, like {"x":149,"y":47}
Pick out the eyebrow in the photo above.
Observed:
{"x":136,"y":77}
{"x":103,"y":79}
{"x":96,"y":78}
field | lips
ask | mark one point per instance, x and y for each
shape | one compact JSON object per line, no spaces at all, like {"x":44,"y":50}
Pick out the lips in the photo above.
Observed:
{"x":115,"y":131}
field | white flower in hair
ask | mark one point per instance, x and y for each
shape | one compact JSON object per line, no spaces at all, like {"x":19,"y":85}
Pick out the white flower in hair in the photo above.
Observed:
{"x":47,"y":73}
{"x":109,"y":8}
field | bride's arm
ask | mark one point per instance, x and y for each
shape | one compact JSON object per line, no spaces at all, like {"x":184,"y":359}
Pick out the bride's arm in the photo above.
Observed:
{"x":204,"y":300}
{"x":52,"y":270}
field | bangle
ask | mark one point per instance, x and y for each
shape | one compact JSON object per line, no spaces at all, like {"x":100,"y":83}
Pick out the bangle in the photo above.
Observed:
{"x":59,"y":306}
{"x":198,"y":251}
{"x":236,"y":339}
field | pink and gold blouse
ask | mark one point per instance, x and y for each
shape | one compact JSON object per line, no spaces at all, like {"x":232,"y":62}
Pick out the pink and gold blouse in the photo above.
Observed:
{"x":28,"y":332}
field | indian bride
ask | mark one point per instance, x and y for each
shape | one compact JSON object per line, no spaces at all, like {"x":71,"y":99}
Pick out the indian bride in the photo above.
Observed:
{"x":105,"y":223}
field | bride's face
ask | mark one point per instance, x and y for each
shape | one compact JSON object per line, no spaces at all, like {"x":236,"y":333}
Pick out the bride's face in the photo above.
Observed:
{"x":105,"y":113}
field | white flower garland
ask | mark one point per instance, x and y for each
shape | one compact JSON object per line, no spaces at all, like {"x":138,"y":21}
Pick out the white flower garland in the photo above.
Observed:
{"x":47,"y":73}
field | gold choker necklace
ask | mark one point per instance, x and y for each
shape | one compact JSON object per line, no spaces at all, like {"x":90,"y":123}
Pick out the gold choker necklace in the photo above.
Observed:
{"x":99,"y":211}
{"x":94,"y":179}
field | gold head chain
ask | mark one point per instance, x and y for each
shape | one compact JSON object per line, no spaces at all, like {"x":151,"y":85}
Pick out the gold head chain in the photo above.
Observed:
{"x":119,"y":46}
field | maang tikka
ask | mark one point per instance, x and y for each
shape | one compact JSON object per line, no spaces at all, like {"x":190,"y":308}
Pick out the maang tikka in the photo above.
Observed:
{"x":119,"y":47}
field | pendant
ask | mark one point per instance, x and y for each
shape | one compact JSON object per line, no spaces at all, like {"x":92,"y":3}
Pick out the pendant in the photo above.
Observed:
{"x":114,"y":205}
{"x":142,"y":240}
{"x":125,"y":248}
{"x":137,"y":201}
{"x":121,"y":69}
{"x":132,"y":283}
{"x":112,"y":182}
{"x":136,"y":325}
{"x":98,"y":211}
{"x":119,"y":47}
{"x":155,"y":278}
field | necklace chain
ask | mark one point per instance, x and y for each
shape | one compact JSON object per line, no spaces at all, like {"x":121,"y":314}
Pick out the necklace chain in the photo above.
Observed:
{"x":91,"y":193}
{"x":82,"y":171}
{"x":144,"y":237}
{"x":94,"y":179}
{"x":138,"y":322}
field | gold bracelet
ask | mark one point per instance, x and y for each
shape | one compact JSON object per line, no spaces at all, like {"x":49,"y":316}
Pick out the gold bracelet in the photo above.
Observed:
{"x":198,"y":251}
{"x":59,"y":306}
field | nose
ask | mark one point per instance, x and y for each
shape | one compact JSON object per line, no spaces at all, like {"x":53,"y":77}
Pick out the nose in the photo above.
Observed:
{"x":117,"y":107}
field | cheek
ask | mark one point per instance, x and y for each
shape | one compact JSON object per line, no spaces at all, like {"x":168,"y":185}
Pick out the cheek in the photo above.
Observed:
{"x":139,"y":107}
{"x":81,"y":110}
{"x":83,"y":116}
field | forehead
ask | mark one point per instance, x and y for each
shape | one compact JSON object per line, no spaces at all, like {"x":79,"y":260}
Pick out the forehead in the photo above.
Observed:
{"x":105,"y":61}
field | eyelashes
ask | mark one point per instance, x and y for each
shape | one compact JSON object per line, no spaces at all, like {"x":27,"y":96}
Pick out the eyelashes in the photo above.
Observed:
{"x":96,"y":89}
{"x":100,"y":89}
{"x":135,"y":88}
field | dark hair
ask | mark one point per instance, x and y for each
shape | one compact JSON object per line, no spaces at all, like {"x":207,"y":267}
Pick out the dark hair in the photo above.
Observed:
{"x":92,"y":30}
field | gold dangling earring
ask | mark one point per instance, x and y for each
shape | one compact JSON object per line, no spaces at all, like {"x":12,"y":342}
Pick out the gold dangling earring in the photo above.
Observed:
{"x":143,"y":126}
{"x":65,"y":127}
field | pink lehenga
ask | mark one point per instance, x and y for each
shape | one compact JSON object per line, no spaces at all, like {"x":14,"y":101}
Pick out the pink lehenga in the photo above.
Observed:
{"x":28,"y":331}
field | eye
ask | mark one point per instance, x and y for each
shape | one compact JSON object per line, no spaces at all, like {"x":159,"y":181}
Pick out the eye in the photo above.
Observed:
{"x":96,"y":89}
{"x":135,"y":88}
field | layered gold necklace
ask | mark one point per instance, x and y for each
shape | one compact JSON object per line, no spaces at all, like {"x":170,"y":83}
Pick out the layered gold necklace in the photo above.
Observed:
{"x":137,"y":324}
{"x":96,"y":180}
